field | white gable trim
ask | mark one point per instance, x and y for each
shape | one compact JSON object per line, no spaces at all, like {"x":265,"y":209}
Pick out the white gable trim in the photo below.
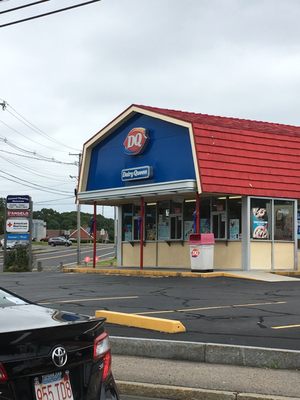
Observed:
{"x":90,"y":144}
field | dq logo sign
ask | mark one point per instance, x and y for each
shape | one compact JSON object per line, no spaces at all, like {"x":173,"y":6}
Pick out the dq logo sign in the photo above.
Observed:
{"x":136,"y":141}
{"x":195,"y":253}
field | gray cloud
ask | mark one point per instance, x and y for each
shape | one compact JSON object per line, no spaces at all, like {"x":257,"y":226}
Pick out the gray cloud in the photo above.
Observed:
{"x":72,"y":73}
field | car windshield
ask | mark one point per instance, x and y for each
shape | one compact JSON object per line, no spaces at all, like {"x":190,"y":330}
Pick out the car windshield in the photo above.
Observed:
{"x":8,"y":299}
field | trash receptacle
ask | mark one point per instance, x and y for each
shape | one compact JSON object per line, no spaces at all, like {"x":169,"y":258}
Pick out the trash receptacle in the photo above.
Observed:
{"x":202,"y":251}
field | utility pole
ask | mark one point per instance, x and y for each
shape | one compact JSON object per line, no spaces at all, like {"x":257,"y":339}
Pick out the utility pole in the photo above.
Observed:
{"x":3,"y":104}
{"x":78,"y":210}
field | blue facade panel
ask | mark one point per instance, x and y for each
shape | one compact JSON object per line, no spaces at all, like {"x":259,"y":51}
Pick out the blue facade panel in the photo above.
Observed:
{"x":168,"y":153}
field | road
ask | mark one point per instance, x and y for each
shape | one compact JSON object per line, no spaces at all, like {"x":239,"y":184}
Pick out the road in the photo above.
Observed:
{"x":52,"y":257}
{"x":139,"y":398}
{"x":218,"y":310}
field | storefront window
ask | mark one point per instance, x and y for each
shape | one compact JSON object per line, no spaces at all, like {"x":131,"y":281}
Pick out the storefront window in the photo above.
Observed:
{"x":176,"y":220}
{"x":261,"y":222}
{"x":205,"y":213}
{"x":234,"y":218}
{"x":137,"y":222}
{"x":150,"y":221}
{"x":188,"y":218}
{"x":163,"y":225}
{"x":219,"y":217}
{"x":127,"y":222}
{"x":283,"y":220}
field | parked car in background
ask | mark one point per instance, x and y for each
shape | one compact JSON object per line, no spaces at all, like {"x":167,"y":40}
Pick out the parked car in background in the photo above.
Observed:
{"x":10,"y":244}
{"x":59,"y":241}
{"x":51,"y":354}
{"x":44,"y":239}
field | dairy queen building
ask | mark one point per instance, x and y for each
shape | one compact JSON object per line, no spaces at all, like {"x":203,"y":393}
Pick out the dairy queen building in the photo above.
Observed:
{"x":172,"y":173}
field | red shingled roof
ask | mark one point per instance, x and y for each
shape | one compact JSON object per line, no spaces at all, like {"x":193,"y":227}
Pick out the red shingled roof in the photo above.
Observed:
{"x":244,"y":157}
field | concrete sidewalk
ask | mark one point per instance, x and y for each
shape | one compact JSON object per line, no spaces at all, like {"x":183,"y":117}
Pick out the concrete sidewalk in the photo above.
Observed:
{"x":184,"y":370}
{"x":173,"y":379}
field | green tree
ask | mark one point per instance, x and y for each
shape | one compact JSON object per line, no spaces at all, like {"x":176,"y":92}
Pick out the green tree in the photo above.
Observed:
{"x":50,"y":216}
{"x":2,"y":214}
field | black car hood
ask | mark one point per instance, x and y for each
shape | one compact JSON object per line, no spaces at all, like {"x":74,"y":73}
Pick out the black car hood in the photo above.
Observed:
{"x":31,"y":316}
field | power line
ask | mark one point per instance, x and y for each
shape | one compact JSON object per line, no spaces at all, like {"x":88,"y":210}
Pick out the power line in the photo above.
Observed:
{"x":30,"y":186}
{"x":50,"y":201}
{"x":34,"y":185}
{"x":39,"y":159}
{"x":48,"y":13}
{"x":34,"y":153}
{"x":23,"y":6}
{"x":28,"y":138}
{"x":9,"y":143}
{"x":31,"y":170}
{"x":33,"y":127}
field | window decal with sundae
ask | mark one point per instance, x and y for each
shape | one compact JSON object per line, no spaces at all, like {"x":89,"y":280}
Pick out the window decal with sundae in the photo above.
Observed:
{"x":260,"y":228}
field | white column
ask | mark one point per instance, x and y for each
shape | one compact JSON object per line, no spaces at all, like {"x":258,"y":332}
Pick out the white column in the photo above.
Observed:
{"x":246,"y":233}
{"x":118,"y":235}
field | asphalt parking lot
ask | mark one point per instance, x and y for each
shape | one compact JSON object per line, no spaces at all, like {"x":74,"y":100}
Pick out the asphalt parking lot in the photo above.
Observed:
{"x":217,"y":310}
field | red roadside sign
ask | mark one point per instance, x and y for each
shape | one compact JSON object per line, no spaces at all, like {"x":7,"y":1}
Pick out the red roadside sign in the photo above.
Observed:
{"x":18,"y":213}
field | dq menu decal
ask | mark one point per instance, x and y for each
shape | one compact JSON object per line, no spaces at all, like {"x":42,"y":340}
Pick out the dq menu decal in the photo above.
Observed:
{"x":260,"y":223}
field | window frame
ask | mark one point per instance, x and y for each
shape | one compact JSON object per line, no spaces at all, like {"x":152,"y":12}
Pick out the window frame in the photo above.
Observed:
{"x":272,"y":225}
{"x":150,"y":204}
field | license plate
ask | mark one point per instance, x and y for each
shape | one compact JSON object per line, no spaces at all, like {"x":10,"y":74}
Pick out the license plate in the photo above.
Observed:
{"x":55,"y":386}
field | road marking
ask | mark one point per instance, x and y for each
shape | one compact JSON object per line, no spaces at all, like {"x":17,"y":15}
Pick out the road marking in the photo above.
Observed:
{"x":91,"y":299}
{"x":64,"y":249}
{"x":210,"y":308}
{"x":102,"y":258}
{"x":71,"y":254}
{"x":106,"y":254}
{"x":286,"y":326}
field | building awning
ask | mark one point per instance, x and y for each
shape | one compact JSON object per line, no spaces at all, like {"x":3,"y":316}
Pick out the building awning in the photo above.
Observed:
{"x":150,"y":192}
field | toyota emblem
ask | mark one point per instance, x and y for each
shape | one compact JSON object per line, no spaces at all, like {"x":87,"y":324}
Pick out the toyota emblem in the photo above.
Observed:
{"x":59,"y":356}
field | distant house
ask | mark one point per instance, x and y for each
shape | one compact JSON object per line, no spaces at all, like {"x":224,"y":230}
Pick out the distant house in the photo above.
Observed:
{"x":84,"y":234}
{"x":57,"y":232}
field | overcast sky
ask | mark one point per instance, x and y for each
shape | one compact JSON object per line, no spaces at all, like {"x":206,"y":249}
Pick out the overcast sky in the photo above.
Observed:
{"x":71,"y":73}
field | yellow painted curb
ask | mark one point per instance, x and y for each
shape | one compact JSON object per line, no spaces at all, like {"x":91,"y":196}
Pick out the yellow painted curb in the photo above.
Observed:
{"x":140,"y":321}
{"x":153,"y":273}
{"x":135,"y":272}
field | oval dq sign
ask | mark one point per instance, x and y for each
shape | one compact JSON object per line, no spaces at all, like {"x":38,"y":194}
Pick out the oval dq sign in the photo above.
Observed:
{"x":195,"y":253}
{"x":136,"y":141}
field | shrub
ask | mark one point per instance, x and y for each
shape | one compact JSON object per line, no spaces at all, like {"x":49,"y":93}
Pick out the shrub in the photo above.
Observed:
{"x":17,"y":260}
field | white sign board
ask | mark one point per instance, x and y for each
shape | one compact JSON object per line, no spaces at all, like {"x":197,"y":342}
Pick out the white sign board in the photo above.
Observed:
{"x":17,"y":206}
{"x":17,"y":225}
